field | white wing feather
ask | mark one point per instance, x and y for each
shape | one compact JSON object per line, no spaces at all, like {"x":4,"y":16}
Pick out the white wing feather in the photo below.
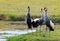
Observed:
{"x":51,"y":23}
{"x":36,"y":19}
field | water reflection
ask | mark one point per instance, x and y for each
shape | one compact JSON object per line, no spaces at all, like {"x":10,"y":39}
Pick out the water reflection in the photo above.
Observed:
{"x":8,"y":33}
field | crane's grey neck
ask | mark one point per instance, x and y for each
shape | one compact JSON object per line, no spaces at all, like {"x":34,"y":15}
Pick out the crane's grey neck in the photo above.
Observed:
{"x":28,"y":9}
{"x":46,"y":14}
{"x":46,"y":17}
{"x":42,"y":15}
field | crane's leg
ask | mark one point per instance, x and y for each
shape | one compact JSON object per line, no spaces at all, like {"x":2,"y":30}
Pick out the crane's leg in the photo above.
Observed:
{"x":44,"y":31}
{"x":46,"y":28}
{"x":36,"y":31}
{"x":49,"y":35}
{"x":36,"y":28}
{"x":40,"y":28}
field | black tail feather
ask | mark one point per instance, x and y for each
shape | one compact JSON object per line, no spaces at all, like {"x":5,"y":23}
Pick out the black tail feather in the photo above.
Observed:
{"x":51,"y":29}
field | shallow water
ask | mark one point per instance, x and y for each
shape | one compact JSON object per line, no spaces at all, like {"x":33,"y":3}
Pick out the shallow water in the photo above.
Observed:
{"x":7,"y":33}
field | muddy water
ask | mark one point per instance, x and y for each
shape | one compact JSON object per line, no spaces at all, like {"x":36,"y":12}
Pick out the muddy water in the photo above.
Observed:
{"x":7,"y":33}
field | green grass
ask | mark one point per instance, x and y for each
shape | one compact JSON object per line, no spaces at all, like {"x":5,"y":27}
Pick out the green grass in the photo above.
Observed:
{"x":19,"y":7}
{"x":38,"y":36}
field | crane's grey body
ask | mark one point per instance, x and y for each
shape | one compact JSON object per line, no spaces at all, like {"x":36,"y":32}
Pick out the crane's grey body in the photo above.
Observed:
{"x":48,"y":22}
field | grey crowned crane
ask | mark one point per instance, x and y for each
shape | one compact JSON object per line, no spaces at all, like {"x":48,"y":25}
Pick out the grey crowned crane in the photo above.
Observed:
{"x":29,"y":19}
{"x":33,"y":23}
{"x":38,"y":21}
{"x":48,"y":21}
{"x":30,"y":22}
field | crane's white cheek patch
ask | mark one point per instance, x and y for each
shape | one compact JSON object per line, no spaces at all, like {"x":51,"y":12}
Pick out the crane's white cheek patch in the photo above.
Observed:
{"x":52,"y":24}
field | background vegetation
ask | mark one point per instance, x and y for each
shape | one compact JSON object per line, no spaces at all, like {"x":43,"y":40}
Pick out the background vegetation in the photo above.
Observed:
{"x":17,"y":9}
